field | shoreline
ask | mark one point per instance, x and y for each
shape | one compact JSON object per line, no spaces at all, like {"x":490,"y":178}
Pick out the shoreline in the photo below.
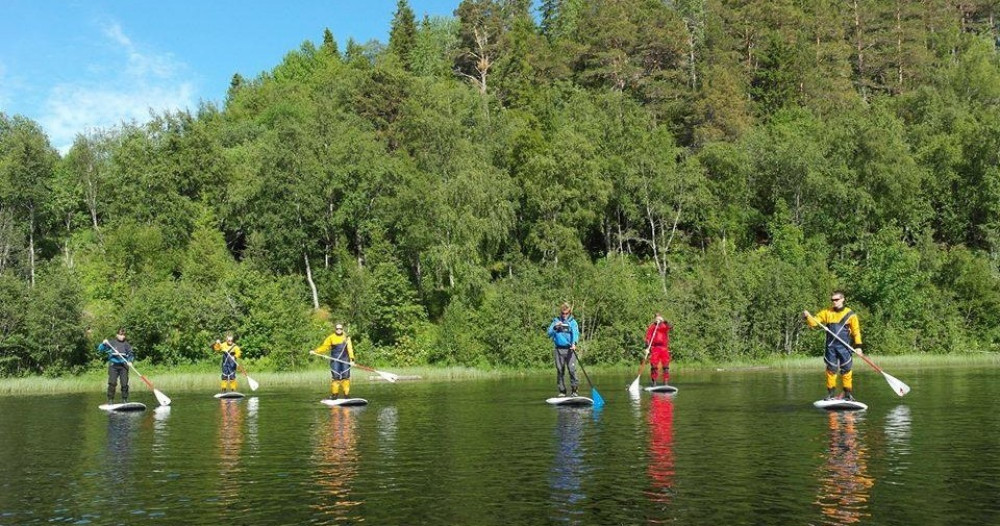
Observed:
{"x":196,"y":377}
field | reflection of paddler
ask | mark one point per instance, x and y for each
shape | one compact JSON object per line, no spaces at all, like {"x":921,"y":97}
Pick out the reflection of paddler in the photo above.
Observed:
{"x":230,"y":351}
{"x":230,"y":434}
{"x":661,"y":449}
{"x":338,"y":346}
{"x":845,"y":485}
{"x":336,"y":458}
{"x":568,"y":468}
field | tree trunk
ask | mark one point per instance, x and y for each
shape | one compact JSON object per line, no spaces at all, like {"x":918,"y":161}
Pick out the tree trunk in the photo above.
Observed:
{"x":31,"y":242}
{"x":312,"y":284}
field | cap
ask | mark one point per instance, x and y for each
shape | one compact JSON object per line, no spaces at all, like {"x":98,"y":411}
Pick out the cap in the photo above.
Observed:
{"x":339,"y":326}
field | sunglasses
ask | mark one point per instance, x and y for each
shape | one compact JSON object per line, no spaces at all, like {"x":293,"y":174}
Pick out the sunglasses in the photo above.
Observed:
{"x":836,"y":299}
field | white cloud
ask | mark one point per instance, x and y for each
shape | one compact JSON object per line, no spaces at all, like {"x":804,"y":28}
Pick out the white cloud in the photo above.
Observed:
{"x":134,"y":84}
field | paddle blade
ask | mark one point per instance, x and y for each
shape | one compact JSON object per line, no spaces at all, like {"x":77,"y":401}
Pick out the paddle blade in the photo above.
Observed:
{"x":598,"y":401}
{"x":633,"y":388}
{"x":389,"y":377}
{"x":161,"y":398}
{"x":899,"y":387}
{"x":253,"y":383}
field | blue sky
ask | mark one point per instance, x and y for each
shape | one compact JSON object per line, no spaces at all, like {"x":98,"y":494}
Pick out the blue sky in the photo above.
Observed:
{"x":76,"y":65}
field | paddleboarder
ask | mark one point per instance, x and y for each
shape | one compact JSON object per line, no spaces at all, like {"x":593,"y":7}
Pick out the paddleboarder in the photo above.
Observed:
{"x":338,"y":346}
{"x":658,"y":340}
{"x":120,"y":354}
{"x":565,"y":333}
{"x":842,"y":322}
{"x":230,"y":352}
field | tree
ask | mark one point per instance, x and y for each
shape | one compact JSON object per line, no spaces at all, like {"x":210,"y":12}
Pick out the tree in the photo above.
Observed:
{"x":403,"y":33}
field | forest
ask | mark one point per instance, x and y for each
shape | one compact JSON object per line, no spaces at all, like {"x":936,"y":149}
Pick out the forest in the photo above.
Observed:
{"x":727,"y":163}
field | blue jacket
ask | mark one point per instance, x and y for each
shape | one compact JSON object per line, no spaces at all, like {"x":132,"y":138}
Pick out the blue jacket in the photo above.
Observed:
{"x":124,"y":348}
{"x":564,"y":332}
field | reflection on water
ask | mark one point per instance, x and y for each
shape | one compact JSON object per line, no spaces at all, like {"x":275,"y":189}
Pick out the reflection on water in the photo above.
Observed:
{"x":230,"y":442}
{"x":568,"y":468}
{"x":253,"y":405}
{"x":897,"y":434}
{"x":335,"y":457}
{"x":122,"y":429}
{"x":661,"y":451}
{"x":845,"y":485}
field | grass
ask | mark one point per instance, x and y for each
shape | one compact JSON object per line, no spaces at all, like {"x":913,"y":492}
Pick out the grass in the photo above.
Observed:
{"x":203,"y":376}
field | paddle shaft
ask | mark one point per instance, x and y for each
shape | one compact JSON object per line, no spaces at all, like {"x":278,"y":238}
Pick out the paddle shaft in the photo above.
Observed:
{"x":580,"y":363}
{"x":645,"y":353}
{"x":237,"y":364}
{"x":841,"y":340}
{"x":388,"y":376}
{"x":141,"y":377}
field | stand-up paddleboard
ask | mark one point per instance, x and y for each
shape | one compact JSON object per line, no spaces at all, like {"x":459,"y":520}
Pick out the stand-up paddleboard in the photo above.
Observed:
{"x":661,"y":389}
{"x":344,"y":402}
{"x":229,"y":395}
{"x":840,"y":405}
{"x":130,"y":406}
{"x":570,"y":400}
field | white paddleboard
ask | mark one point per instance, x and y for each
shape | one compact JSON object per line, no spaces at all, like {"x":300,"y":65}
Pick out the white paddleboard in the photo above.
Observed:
{"x":840,"y":405}
{"x":230,"y":394}
{"x":131,"y":406}
{"x":344,"y":402}
{"x":570,"y":400}
{"x":661,"y":389}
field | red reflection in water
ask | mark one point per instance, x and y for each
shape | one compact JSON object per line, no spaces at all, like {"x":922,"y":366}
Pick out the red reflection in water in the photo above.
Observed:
{"x":845,"y":486}
{"x":661,"y":451}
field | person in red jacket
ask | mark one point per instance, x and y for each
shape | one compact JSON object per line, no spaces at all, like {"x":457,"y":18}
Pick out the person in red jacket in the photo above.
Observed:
{"x":658,"y":340}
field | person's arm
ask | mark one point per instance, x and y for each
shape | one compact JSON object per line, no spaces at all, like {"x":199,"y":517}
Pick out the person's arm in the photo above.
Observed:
{"x":811,"y":320}
{"x":237,"y":352}
{"x":128,"y":353}
{"x":350,"y":349}
{"x":649,"y":333}
{"x":552,"y":329}
{"x":324,"y":348}
{"x":575,"y":329}
{"x":855,"y":326}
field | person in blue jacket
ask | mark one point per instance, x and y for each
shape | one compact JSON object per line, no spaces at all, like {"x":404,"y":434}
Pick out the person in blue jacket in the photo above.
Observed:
{"x":120,"y":354}
{"x":565,"y":332}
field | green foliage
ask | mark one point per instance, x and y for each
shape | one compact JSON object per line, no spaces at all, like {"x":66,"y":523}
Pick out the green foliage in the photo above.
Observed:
{"x":725,"y":163}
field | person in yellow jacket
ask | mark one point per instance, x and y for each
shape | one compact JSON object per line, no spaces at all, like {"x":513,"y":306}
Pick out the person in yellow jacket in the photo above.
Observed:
{"x":842,"y":322}
{"x":338,"y":347}
{"x":230,"y":352}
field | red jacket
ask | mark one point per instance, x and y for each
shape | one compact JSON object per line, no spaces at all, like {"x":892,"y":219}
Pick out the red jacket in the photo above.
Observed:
{"x":658,"y":336}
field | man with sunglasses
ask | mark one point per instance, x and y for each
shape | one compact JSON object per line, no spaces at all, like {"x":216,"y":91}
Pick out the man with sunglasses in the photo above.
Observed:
{"x":843,"y":323}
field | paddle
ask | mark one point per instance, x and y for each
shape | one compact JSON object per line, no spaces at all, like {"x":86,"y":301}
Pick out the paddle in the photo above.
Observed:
{"x":899,"y":387}
{"x":160,"y":397}
{"x":633,"y":388}
{"x":389,"y":377}
{"x":253,"y":383}
{"x":598,"y":400}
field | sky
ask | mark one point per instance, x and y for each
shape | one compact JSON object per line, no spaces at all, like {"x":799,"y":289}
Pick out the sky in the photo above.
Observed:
{"x":78,"y":65}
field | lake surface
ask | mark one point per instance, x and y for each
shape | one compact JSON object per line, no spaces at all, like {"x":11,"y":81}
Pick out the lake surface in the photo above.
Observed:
{"x":732,"y":447}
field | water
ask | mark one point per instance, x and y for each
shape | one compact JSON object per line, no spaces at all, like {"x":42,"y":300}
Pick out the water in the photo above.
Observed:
{"x":730,"y":448}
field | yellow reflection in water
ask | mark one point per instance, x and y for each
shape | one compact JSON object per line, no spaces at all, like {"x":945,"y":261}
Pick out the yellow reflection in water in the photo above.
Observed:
{"x":229,"y":443}
{"x":845,"y":485}
{"x":335,"y":456}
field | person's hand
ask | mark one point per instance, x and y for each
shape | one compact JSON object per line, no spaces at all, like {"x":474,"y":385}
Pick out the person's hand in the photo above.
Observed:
{"x":860,"y":352}
{"x":572,"y":347}
{"x":805,"y":315}
{"x":218,"y":341}
{"x":352,"y":363}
